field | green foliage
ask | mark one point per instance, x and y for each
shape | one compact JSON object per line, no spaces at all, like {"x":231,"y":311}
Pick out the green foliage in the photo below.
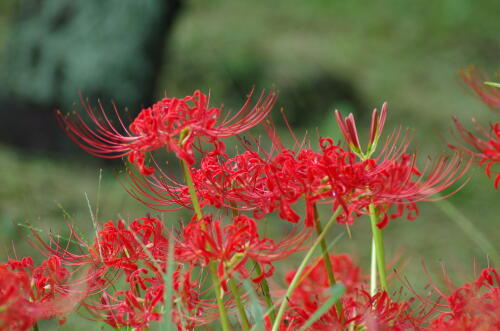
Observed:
{"x":405,"y":52}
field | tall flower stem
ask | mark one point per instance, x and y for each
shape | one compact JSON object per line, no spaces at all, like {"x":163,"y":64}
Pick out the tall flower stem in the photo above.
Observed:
{"x":297,"y":278}
{"x":245,"y":325}
{"x":378,"y":244}
{"x":192,"y":191}
{"x":326,"y":258}
{"x":267,"y":294}
{"x":373,"y":270}
{"x":224,"y":320}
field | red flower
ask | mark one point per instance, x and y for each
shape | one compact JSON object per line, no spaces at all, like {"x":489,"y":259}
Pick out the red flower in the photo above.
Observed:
{"x":249,"y":181}
{"x":141,"y":302}
{"x":485,"y":149}
{"x":232,"y":246}
{"x":136,"y":307}
{"x":474,"y":306}
{"x":29,"y":293}
{"x":389,"y":180}
{"x":359,"y":309}
{"x":344,"y":270}
{"x":171,"y":123}
{"x":117,"y":245}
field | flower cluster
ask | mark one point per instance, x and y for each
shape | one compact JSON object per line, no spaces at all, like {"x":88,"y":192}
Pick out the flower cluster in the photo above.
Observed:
{"x":173,"y":123}
{"x":474,"y":306}
{"x":360,"y":309}
{"x":275,"y":180}
{"x":29,"y":293}
{"x":233,"y":246}
{"x":133,"y":274}
{"x":134,"y":255}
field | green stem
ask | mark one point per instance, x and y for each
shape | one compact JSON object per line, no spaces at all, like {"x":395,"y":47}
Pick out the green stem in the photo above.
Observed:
{"x":245,"y":325}
{"x":379,"y":247}
{"x":224,"y":320}
{"x":267,"y":294}
{"x":35,"y":327}
{"x":297,"y":278}
{"x":192,"y":191}
{"x":326,"y":258}
{"x":373,"y":271}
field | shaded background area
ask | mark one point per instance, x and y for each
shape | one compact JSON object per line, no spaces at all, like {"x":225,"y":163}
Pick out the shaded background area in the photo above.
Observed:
{"x":319,"y":55}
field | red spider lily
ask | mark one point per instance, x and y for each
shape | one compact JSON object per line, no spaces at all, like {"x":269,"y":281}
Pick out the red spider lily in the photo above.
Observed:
{"x":190,"y":309}
{"x":136,"y":307}
{"x":474,"y":306}
{"x":254,"y":180}
{"x":232,"y":246}
{"x":475,"y":78}
{"x":133,"y":255}
{"x":117,"y":245}
{"x":360,"y":310}
{"x":485,"y":149}
{"x":344,"y":270}
{"x":402,"y":185}
{"x":139,"y":305}
{"x":118,"y":250}
{"x":172,"y":123}
{"x":122,"y":246}
{"x":249,"y":181}
{"x":16,"y":312}
{"x":29,"y":293}
{"x":267,"y":183}
{"x":390,"y":179}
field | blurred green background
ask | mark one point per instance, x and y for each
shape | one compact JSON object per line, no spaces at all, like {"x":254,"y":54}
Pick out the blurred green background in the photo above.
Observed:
{"x":319,"y":55}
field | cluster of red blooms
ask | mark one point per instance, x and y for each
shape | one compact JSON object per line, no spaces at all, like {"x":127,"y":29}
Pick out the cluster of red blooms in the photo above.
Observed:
{"x":120,"y":278}
{"x":474,"y":306}
{"x":133,"y":256}
{"x":173,"y":123}
{"x":266,"y":181}
{"x":29,"y":293}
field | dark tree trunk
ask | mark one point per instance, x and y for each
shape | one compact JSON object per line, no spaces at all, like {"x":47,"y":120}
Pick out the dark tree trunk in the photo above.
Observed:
{"x":111,"y":50}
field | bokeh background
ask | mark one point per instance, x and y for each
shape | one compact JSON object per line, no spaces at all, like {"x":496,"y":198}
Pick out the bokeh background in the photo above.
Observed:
{"x":319,"y":55}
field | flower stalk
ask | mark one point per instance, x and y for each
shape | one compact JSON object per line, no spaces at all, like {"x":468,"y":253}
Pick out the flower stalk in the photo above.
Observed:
{"x":378,"y":247}
{"x":373,"y":270}
{"x":224,"y":320}
{"x":267,"y":294}
{"x":245,"y":325}
{"x":326,"y":258}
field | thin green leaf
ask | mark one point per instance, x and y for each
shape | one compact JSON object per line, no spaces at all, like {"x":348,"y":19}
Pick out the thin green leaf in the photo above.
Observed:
{"x":255,"y":308}
{"x":296,"y":279}
{"x":494,"y":84}
{"x":337,"y":291}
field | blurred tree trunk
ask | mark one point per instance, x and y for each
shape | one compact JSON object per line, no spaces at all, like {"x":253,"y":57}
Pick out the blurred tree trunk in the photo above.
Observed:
{"x":103,"y":49}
